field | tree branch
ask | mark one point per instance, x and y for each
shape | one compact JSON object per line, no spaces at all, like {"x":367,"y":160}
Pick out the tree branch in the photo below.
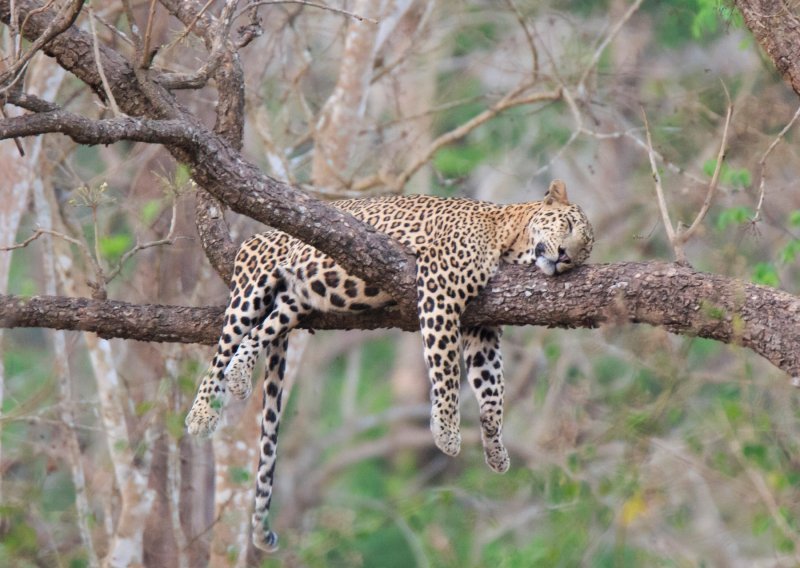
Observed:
{"x":672,"y":296}
{"x":107,"y":131}
{"x":220,"y":169}
{"x":777,"y":29}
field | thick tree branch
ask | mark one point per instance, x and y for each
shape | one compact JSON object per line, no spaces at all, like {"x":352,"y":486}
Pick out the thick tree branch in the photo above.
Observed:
{"x":776,"y":27}
{"x":87,"y":131}
{"x":675,"y":297}
{"x":672,"y":296}
{"x":221,"y":170}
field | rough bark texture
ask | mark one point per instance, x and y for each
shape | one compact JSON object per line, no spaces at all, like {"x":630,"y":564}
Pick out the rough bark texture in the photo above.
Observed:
{"x":776,"y":27}
{"x":220,"y":169}
{"x":673,"y":296}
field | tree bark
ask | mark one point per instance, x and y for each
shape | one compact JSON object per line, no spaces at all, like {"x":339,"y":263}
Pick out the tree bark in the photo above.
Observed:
{"x":776,"y":27}
{"x":673,"y":296}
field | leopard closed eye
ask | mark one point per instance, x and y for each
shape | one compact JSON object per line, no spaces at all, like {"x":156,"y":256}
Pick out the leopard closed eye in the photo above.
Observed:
{"x":458,"y":243}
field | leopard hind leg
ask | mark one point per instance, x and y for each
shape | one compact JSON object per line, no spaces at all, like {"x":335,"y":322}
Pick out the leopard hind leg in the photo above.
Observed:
{"x":483,"y":360}
{"x":252,"y":295}
{"x":287,"y":310}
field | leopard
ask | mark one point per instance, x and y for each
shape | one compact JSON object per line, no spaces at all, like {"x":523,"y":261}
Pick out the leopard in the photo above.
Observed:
{"x":458,"y":244}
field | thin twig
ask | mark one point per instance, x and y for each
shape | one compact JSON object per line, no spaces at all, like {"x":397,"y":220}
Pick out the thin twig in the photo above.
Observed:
{"x":167,"y":240}
{"x":58,"y":24}
{"x":662,"y":204}
{"x":96,"y":48}
{"x":684,"y":236}
{"x":762,"y":489}
{"x":510,"y":100}
{"x":762,"y":163}
{"x":607,"y":40}
{"x":529,"y":38}
{"x":17,"y":142}
{"x":38,"y":233}
{"x":148,"y":36}
{"x":306,"y":3}
{"x":191,"y":25}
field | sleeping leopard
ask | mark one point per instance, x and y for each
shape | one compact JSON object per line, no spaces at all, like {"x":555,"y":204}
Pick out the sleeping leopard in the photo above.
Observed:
{"x":458,"y":243}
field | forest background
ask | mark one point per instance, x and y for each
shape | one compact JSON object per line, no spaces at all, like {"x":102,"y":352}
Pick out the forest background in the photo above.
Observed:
{"x":630,"y":446}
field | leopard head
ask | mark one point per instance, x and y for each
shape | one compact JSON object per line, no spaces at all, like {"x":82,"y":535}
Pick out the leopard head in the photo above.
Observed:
{"x":561,"y":235}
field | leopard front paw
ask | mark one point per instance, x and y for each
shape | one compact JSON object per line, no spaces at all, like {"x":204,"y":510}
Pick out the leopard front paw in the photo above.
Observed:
{"x":446,"y":438}
{"x":202,"y":419}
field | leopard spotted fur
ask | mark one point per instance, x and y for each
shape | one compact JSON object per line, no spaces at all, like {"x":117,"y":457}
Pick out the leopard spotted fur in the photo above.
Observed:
{"x":458,"y":244}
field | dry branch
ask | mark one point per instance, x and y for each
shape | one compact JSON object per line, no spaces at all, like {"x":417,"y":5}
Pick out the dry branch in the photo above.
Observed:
{"x":673,"y":296}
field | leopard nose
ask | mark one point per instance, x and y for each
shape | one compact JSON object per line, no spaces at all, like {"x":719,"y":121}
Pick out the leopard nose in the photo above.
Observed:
{"x":538,"y":250}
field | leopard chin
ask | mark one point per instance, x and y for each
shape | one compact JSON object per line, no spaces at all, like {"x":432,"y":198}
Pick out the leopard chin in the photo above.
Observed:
{"x":546,"y":265}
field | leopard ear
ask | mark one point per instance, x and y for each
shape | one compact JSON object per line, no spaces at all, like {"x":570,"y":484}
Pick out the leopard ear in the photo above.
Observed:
{"x":556,"y":193}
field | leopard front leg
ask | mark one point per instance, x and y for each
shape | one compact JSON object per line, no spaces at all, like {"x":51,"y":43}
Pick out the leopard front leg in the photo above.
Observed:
{"x":263,"y":537}
{"x":485,"y":376}
{"x":439,"y":309}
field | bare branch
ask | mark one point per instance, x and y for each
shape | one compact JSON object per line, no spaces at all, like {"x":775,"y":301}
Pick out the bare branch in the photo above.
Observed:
{"x":310,"y":4}
{"x":65,"y":17}
{"x":99,"y":61}
{"x":598,"y":53}
{"x":684,"y":236}
{"x":673,"y":296}
{"x":87,"y":131}
{"x":762,"y":164}
{"x":662,"y":203}
{"x":529,"y":38}
{"x":167,"y":240}
{"x":512,"y":99}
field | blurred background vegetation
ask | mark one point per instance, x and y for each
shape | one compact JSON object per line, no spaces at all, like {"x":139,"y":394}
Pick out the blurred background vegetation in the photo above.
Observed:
{"x":630,"y":446}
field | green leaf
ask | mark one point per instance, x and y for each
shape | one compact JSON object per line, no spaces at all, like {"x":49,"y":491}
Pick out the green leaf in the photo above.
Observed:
{"x":174,"y":424}
{"x":734,"y":216}
{"x":238,"y":475}
{"x":182,"y":175}
{"x":765,"y":273}
{"x":143,"y":407}
{"x":150,"y":211}
{"x":114,"y":246}
{"x":794,"y":218}
{"x":458,"y":160}
{"x":738,"y":178}
{"x":790,"y":252}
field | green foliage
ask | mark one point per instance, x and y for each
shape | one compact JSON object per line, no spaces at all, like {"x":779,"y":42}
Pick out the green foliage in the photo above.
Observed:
{"x":765,"y":273}
{"x":789,"y":252}
{"x":112,"y":247}
{"x":150,"y":211}
{"x":736,"y":178}
{"x":239,"y":475}
{"x":18,"y":538}
{"x":734,"y":216}
{"x":476,"y":37}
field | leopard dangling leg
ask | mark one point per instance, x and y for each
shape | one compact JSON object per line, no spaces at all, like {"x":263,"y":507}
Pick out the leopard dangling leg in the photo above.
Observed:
{"x":485,"y":375}
{"x":287,"y":311}
{"x":251,"y":297}
{"x":275,"y":368}
{"x":439,"y":310}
